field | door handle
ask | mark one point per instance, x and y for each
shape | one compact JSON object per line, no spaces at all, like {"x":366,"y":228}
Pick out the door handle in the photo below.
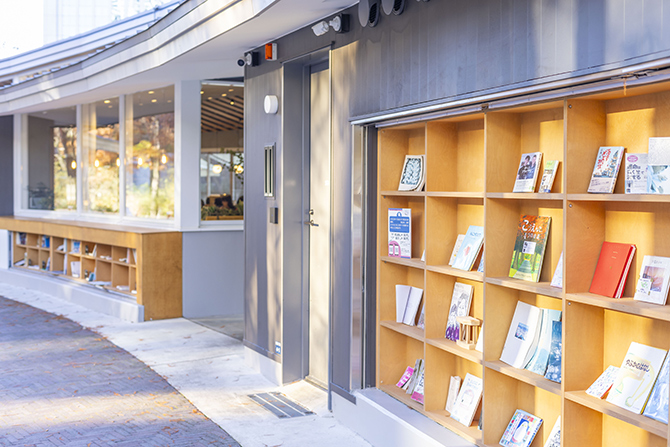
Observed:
{"x":311,"y":222}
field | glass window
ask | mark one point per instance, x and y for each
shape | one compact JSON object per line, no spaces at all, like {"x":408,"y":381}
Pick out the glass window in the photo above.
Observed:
{"x":101,"y":161}
{"x":52,"y":160}
{"x":222,"y":151}
{"x":150,"y":154}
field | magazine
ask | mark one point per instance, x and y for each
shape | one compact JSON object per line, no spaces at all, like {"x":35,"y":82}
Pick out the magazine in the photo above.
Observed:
{"x":636,"y":174}
{"x":531,"y":240}
{"x":606,"y":169}
{"x":461,"y":299}
{"x":652,"y":286}
{"x":521,"y":430}
{"x":413,"y":173}
{"x":657,"y":406}
{"x":549,"y":175}
{"x":470,"y":248}
{"x":526,"y":175}
{"x":400,"y":232}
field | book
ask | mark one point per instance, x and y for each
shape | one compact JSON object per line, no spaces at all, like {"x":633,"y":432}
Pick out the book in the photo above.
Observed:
{"x":606,"y":169}
{"x":421,"y":323}
{"x":526,"y":175}
{"x":557,"y":279}
{"x":531,"y":241}
{"x":63,"y":247}
{"x":467,"y":400}
{"x":413,"y":174}
{"x":521,"y":430}
{"x":555,"y":353}
{"x":636,"y":376}
{"x":413,"y":302}
{"x":412,"y":377}
{"x":554,"y":439}
{"x":454,"y":387}
{"x":611,"y":271}
{"x":417,"y":394}
{"x":411,"y":383}
{"x":21,"y":238}
{"x":457,"y":246}
{"x":405,"y":377}
{"x":401,"y":298}
{"x":480,"y":340}
{"x":76,"y":247}
{"x":657,"y":405}
{"x":659,"y":151}
{"x":538,"y":363}
{"x":652,"y":286}
{"x":75,"y":268}
{"x":400,"y":232}
{"x":636,"y":174}
{"x":549,"y":175}
{"x":461,"y":299}
{"x":658,"y":179}
{"x":470,"y":248}
{"x":46,"y":241}
{"x":603,"y":383}
{"x":523,"y":334}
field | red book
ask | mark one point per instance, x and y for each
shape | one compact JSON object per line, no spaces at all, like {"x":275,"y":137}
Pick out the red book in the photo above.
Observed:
{"x":612,"y":269}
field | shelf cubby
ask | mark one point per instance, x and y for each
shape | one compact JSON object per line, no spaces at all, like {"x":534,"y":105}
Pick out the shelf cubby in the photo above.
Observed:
{"x":417,"y":205}
{"x":439,"y":289}
{"x":454,"y":152}
{"x":398,"y":351}
{"x":397,"y":143}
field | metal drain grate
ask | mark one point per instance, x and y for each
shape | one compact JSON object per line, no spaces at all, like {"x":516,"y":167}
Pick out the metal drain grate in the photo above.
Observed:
{"x":280,"y":405}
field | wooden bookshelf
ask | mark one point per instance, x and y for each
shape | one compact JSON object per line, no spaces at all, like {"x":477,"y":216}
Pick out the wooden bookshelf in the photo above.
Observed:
{"x":140,"y":264}
{"x":471,"y":164}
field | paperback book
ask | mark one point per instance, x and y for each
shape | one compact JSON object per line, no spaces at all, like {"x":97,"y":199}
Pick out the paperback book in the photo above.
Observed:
{"x":657,"y":406}
{"x":659,"y":151}
{"x":554,"y":439}
{"x":521,"y":430}
{"x":526,"y":175}
{"x":636,"y":376}
{"x":549,"y":175}
{"x":470,"y":248}
{"x":652,"y":286}
{"x":658,"y":166}
{"x":523,"y":335}
{"x":531,"y":241}
{"x":454,"y":388}
{"x":636,"y":174}
{"x":457,"y":246}
{"x":400,"y":232}
{"x":538,"y":363}
{"x":417,"y":393}
{"x":557,"y":279}
{"x":413,"y":174}
{"x":555,"y":353}
{"x":405,"y":377}
{"x":21,"y":238}
{"x":408,"y":299}
{"x":602,"y":385}
{"x":611,"y":272}
{"x":606,"y":169}
{"x":414,"y":380}
{"x":461,"y":299}
{"x":468,"y":400}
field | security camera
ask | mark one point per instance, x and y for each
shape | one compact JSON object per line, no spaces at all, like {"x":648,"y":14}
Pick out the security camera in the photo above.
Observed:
{"x":241,"y":62}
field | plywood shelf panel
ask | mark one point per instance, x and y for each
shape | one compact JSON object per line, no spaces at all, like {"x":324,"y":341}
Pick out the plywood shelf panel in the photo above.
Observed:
{"x":525,"y":196}
{"x":411,"y":331}
{"x":451,"y":347}
{"x":626,"y":305}
{"x":525,"y":376}
{"x":412,"y":262}
{"x":403,"y":193}
{"x":456,"y":194}
{"x":473,"y":275}
{"x":471,"y":433}
{"x":604,"y":407}
{"x":651,"y":198}
{"x":541,"y":288}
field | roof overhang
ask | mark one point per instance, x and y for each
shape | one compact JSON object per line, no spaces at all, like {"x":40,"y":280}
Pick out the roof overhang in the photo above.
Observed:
{"x":201,"y":39}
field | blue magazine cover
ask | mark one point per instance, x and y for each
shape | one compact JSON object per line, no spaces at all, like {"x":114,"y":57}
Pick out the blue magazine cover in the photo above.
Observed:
{"x":657,"y":405}
{"x":554,"y":366}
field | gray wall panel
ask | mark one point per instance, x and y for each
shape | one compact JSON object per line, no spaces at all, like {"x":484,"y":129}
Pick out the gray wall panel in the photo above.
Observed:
{"x":6,"y":165}
{"x":213,"y":273}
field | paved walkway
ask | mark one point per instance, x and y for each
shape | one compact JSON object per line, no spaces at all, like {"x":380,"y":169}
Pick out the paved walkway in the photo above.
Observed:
{"x":206,"y":367}
{"x":63,"y":385}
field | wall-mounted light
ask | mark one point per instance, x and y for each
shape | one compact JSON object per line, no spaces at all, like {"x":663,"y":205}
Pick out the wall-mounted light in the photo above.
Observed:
{"x":271,"y":104}
{"x":339,"y":24}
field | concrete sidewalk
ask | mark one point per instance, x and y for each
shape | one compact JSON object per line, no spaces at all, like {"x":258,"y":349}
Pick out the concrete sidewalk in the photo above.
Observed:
{"x":208,"y":368}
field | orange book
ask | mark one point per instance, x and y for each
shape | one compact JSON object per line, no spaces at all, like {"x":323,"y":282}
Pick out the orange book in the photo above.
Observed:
{"x":612,"y":269}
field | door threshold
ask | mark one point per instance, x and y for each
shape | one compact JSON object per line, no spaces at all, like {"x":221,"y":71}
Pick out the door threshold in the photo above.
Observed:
{"x":316,"y":382}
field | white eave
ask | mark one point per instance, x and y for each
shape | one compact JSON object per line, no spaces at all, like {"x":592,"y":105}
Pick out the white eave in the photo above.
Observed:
{"x":214,"y":33}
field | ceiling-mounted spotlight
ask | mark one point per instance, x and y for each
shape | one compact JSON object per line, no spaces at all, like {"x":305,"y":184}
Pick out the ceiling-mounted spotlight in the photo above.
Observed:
{"x":368,"y":12}
{"x":339,"y":24}
{"x":396,"y":7}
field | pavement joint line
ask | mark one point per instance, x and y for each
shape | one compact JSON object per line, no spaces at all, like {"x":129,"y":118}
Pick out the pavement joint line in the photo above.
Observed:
{"x":194,"y":360}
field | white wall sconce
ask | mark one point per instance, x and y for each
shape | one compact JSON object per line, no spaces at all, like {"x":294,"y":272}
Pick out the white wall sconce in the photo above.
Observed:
{"x":339,"y":24}
{"x":271,"y":104}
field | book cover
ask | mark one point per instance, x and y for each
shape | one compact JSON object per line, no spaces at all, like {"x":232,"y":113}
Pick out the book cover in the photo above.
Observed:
{"x":636,"y":174}
{"x":401,"y":298}
{"x":549,"y":175}
{"x":657,"y":406}
{"x":405,"y":377}
{"x":521,"y":430}
{"x":658,"y":179}
{"x":538,"y":363}
{"x":413,"y":302}
{"x":522,"y":336}
{"x":652,"y":286}
{"x":528,"y":254}
{"x":526,"y":175}
{"x":555,"y":353}
{"x":414,"y":380}
{"x":606,"y":169}
{"x":480,"y":340}
{"x":461,"y":299}
{"x":417,"y":394}
{"x":613,"y":262}
{"x":457,"y":246}
{"x":636,"y":376}
{"x":469,"y":249}
{"x":454,"y":387}
{"x":468,"y":400}
{"x":400,"y":232}
{"x":659,"y":151}
{"x":76,"y":247}
{"x":603,"y":383}
{"x":557,"y":279}
{"x":421,"y":323}
{"x":554,"y":439}
{"x":413,"y":175}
